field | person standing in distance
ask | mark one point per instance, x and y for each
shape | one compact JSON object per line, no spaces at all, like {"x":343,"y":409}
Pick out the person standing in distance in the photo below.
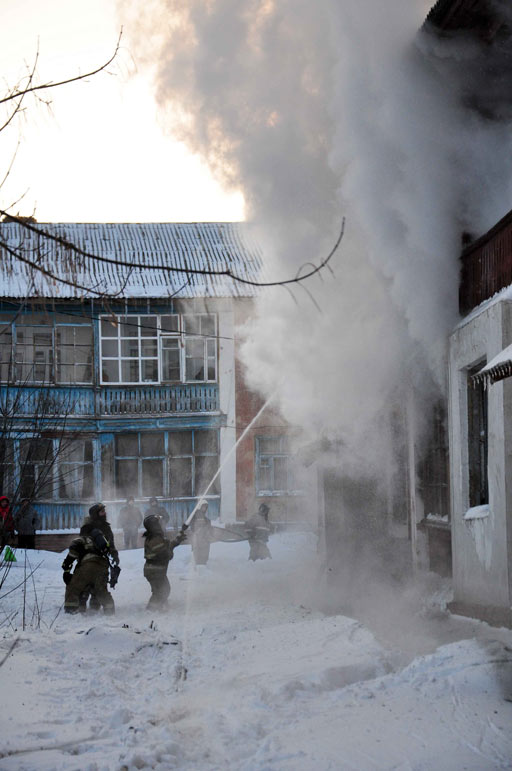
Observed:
{"x":130,"y":519}
{"x":258,"y":531}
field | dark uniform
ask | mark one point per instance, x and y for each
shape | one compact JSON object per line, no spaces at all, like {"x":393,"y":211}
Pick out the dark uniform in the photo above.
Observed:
{"x":258,"y":531}
{"x":91,"y":573}
{"x":201,"y":535}
{"x":97,"y":519}
{"x":158,"y":551}
{"x":130,"y":519}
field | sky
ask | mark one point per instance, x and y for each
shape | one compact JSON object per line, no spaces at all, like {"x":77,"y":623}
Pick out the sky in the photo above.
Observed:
{"x":98,"y":153}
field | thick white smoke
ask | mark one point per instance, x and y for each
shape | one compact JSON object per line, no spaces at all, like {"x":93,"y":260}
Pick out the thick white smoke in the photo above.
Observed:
{"x":323,"y":110}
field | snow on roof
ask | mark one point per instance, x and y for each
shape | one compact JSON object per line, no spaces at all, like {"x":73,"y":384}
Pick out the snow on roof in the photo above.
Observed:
{"x":187,"y":246}
{"x":497,"y":369}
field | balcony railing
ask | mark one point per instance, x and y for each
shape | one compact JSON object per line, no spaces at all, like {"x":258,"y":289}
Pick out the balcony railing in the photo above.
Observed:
{"x":69,"y":515}
{"x":57,"y":401}
{"x":144,"y":400}
{"x":486,"y":266}
{"x":45,"y":401}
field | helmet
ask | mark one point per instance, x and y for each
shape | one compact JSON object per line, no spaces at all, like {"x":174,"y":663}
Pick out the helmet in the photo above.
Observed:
{"x":152,"y":523}
{"x":263,"y":509}
{"x":94,"y":511}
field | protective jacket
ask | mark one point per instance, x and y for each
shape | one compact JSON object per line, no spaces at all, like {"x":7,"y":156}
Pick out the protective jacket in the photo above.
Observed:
{"x":258,"y":528}
{"x":86,"y":548}
{"x":201,"y":536}
{"x":90,"y":551}
{"x":90,"y":523}
{"x":158,"y":550}
{"x":258,"y":531}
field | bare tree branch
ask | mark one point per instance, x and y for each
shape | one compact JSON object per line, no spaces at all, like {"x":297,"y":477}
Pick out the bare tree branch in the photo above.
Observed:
{"x":44,"y":86}
{"x":165,"y":268}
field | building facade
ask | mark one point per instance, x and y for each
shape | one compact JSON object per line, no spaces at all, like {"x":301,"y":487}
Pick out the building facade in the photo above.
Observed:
{"x":118,"y":381}
{"x":120,"y":374}
{"x":480,"y":409}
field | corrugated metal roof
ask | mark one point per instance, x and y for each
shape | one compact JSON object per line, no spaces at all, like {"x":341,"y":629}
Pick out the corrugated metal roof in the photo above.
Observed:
{"x":215,"y":246}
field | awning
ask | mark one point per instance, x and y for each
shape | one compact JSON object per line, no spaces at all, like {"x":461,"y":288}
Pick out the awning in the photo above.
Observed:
{"x":497,"y":369}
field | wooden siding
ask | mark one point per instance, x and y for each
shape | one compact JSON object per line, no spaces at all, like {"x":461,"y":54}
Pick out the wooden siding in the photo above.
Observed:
{"x":486,"y":266}
{"x":62,"y":515}
{"x":117,"y":400}
{"x":156,"y":399}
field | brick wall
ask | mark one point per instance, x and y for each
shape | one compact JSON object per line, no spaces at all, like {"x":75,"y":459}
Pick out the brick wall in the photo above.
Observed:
{"x":269,"y":423}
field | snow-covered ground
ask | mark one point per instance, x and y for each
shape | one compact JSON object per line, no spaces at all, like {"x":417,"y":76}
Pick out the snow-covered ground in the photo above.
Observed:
{"x":245,"y":671}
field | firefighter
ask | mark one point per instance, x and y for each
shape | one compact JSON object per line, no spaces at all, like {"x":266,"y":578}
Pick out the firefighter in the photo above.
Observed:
{"x":258,"y":531}
{"x":90,"y":550}
{"x":201,"y":534}
{"x":157,"y":510}
{"x":97,"y":519}
{"x":158,"y":551}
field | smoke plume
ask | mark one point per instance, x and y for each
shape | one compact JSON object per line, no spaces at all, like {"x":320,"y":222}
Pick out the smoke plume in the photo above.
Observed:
{"x":330,"y":109}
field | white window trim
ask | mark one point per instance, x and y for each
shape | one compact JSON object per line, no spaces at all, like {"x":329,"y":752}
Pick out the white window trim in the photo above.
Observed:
{"x":181,"y":336}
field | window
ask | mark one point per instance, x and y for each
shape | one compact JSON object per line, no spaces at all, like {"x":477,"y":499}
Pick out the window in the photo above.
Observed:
{"x":193,"y":462}
{"x":6,"y":359}
{"x":45,"y":349}
{"x":200,"y":352}
{"x":7,"y":467}
{"x":36,"y":468}
{"x":274,"y":468}
{"x":151,"y":349}
{"x":44,"y":468}
{"x":477,"y":439}
{"x":139,"y":464}
{"x":434,"y":466}
{"x":177,"y":464}
{"x":34,"y":354}
{"x":129,"y":350}
{"x":75,"y":470}
{"x":73,"y":354}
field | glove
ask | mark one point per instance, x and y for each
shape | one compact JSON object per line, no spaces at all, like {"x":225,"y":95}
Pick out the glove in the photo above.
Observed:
{"x":67,"y":576}
{"x":115,"y":559}
{"x":184,"y":527}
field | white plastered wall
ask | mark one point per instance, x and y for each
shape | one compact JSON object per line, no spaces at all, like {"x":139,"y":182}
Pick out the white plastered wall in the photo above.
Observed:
{"x":479,"y":538}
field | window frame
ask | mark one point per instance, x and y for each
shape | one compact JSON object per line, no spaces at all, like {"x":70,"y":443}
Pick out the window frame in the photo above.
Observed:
{"x":52,"y":364}
{"x":261,"y":457}
{"x":180,"y":335}
{"x":166,"y":458}
{"x":477,"y":438}
{"x":17,"y":464}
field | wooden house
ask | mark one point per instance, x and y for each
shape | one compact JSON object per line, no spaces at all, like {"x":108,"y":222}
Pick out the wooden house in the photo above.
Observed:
{"x":117,"y":365}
